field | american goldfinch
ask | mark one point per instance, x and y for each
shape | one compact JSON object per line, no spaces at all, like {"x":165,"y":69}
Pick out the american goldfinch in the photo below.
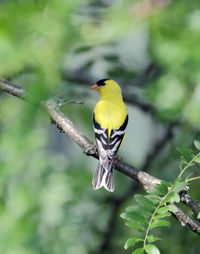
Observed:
{"x":109,"y":121}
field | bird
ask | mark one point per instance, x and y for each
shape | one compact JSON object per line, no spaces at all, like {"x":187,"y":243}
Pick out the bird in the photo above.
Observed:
{"x":110,"y":119}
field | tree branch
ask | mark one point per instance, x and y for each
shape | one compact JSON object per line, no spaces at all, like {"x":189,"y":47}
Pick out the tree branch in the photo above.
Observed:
{"x":185,"y":220}
{"x":10,"y":88}
{"x":69,"y":128}
{"x":186,"y":199}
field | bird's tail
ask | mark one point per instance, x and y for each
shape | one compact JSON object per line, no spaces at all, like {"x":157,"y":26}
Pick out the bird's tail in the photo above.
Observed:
{"x":103,"y":177}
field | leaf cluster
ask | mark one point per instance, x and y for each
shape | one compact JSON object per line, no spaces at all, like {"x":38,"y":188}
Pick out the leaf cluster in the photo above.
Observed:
{"x":149,"y":212}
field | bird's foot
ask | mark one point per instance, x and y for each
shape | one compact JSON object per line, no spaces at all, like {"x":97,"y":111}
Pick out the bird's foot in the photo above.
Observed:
{"x":61,"y":101}
{"x":117,"y":158}
{"x":90,"y":149}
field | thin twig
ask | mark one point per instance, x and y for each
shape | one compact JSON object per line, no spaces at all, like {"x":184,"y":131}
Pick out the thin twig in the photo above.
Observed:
{"x":10,"y":88}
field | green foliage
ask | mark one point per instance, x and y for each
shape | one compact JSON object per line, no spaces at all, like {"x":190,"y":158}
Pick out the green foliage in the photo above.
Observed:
{"x":131,"y":242}
{"x":150,"y":211}
{"x":50,"y":47}
{"x":165,"y":195}
{"x":174,"y":31}
{"x":151,"y":249}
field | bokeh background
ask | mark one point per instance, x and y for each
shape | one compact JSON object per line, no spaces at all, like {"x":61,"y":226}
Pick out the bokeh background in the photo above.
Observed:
{"x":60,"y":48}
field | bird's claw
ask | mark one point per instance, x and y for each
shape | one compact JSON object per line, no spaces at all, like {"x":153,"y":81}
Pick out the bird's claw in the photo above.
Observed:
{"x":90,"y":149}
{"x":117,"y":158}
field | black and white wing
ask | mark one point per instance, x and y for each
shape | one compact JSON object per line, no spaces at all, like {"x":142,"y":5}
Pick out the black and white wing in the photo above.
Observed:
{"x":107,"y":149}
{"x":116,"y":138}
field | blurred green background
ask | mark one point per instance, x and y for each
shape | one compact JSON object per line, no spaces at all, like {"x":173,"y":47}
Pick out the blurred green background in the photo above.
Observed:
{"x":151,"y":48}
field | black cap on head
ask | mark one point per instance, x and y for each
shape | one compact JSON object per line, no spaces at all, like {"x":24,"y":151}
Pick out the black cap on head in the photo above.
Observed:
{"x":101,"y":82}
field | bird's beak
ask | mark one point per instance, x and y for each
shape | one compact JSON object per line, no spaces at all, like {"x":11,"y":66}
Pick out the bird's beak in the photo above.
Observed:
{"x":94,"y":87}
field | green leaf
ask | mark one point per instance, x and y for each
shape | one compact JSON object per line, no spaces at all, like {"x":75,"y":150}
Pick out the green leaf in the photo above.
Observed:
{"x":176,"y":198}
{"x":197,"y":140}
{"x":183,"y":162}
{"x":163,"y":215}
{"x":171,"y":198}
{"x":130,"y":208}
{"x":186,"y":152}
{"x":172,"y":208}
{"x":138,"y":251}
{"x":131,"y":242}
{"x":151,"y":249}
{"x":162,"y":189}
{"x":145,"y":202}
{"x":197,"y":159}
{"x":135,"y":226}
{"x":173,"y":195}
{"x":138,"y":209}
{"x":152,"y":238}
{"x":135,"y":217}
{"x":154,"y":192}
{"x":163,"y":209}
{"x":179,"y":185}
{"x":160,"y":223}
{"x":154,"y":199}
{"x":167,"y":208}
{"x":147,"y":214}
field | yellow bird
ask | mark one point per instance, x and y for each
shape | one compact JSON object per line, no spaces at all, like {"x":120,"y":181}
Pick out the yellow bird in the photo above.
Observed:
{"x":110,"y":119}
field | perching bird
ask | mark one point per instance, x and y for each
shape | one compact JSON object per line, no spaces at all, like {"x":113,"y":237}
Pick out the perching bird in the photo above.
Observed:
{"x":109,"y":121}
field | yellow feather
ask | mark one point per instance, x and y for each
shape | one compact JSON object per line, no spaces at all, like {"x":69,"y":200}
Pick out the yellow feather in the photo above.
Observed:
{"x":110,"y":111}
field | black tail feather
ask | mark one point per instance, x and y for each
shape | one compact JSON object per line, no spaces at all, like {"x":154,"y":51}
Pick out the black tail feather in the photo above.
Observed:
{"x":109,"y":181}
{"x":103,"y":177}
{"x":98,"y":177}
